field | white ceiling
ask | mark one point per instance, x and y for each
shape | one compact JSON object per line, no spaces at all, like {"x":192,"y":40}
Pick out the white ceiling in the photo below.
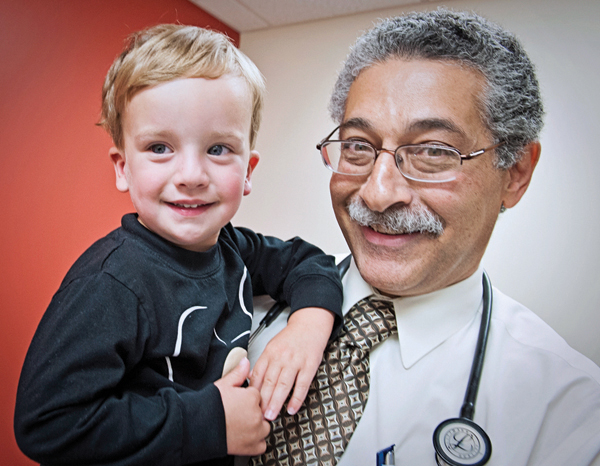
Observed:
{"x":249,"y":15}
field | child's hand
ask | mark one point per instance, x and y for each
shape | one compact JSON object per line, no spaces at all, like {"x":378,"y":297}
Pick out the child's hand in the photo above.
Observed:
{"x":246,"y":427}
{"x":291,"y":358}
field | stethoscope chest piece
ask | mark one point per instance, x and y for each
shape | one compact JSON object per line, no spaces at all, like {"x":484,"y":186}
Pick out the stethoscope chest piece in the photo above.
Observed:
{"x":461,"y":442}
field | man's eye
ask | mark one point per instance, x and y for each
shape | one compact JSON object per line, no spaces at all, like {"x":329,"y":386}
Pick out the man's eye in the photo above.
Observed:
{"x":356,"y":147}
{"x":351,"y":149}
{"x":433,"y":152}
{"x":159,"y":149}
{"x":218,"y":150}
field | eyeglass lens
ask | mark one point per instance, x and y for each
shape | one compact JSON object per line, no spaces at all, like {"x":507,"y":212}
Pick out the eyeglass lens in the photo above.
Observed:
{"x":419,"y":162}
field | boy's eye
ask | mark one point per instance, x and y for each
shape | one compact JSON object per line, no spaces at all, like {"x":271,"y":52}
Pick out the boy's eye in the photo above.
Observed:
{"x":218,"y":150}
{"x":159,"y":149}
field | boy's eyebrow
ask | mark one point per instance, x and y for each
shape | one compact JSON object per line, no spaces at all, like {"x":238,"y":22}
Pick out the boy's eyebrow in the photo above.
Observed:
{"x":228,"y":134}
{"x":151,"y":134}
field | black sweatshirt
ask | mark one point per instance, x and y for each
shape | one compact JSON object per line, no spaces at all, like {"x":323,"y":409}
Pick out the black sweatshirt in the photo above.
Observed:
{"x":121,"y":368}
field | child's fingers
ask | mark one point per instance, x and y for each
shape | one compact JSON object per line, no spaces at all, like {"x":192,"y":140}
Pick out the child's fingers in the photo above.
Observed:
{"x":246,"y":427}
{"x":269,"y":384}
{"x":303,"y":382}
{"x":257,"y":374}
{"x":237,"y":376}
{"x":282,"y":389}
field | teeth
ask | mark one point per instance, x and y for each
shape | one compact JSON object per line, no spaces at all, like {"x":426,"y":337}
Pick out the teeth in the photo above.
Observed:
{"x":386,"y":231}
{"x":188,"y":206}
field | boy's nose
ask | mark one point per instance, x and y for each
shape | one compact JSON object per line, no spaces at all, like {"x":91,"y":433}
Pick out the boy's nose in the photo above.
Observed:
{"x":385,"y":186}
{"x":192,"y":171}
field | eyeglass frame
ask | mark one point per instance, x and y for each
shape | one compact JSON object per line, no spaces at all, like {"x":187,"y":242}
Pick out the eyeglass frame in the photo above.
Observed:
{"x":470,"y":156}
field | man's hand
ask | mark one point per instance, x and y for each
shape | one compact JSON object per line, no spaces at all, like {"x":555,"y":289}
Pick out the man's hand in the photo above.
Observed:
{"x":291,"y":359}
{"x":246,"y":427}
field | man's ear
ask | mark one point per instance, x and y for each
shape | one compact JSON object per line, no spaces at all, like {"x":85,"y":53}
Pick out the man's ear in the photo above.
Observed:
{"x":118,"y":159}
{"x":520,"y":174}
{"x":252,"y":162}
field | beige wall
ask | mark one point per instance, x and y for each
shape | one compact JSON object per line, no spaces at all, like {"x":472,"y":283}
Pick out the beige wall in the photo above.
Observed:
{"x":545,"y":251}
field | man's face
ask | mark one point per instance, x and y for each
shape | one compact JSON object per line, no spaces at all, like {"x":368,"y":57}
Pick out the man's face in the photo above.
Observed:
{"x":401,"y":102}
{"x":186,"y":160}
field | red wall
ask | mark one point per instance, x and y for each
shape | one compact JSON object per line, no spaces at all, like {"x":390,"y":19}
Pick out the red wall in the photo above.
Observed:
{"x":57,"y":189}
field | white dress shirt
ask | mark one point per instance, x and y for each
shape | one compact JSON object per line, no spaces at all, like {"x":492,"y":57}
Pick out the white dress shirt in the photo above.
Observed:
{"x":539,"y":400}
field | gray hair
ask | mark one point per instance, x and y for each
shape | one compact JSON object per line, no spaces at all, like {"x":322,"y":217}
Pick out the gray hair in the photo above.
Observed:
{"x":511,"y":106}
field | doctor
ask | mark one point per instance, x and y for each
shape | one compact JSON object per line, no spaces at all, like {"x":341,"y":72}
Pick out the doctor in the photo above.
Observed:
{"x":440,"y":115}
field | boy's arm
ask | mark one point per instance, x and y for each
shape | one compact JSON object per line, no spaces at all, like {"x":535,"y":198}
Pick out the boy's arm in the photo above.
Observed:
{"x":292,"y":271}
{"x":75,"y":404}
{"x":291,"y":359}
{"x":306,"y":278}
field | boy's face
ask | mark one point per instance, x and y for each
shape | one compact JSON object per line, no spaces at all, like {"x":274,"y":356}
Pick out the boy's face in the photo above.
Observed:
{"x":186,"y":160}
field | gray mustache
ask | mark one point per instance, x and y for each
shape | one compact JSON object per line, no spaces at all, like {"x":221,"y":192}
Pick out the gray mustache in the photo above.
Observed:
{"x":398,"y":220}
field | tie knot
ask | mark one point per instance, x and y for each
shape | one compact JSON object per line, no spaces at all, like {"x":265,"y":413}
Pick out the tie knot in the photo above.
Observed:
{"x":368,"y":323}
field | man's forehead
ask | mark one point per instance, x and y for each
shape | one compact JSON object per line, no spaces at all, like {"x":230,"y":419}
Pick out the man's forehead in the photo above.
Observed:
{"x":421,"y":76}
{"x":419,"y":94}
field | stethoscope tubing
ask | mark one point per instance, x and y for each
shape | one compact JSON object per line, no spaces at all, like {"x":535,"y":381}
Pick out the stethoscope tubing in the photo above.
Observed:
{"x":468,"y":408}
{"x":445,"y":434}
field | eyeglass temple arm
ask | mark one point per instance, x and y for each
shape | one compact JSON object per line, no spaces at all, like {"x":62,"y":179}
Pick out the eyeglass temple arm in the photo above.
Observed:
{"x":327,"y":137}
{"x":472,"y":155}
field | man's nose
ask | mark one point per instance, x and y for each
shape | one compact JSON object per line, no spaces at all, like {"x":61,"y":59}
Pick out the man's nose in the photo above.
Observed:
{"x":385,"y":186}
{"x":192,"y":170}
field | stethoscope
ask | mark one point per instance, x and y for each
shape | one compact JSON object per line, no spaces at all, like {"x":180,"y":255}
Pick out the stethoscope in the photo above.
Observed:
{"x":457,"y":441}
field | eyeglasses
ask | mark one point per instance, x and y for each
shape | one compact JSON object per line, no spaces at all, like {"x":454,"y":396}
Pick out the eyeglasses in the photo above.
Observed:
{"x":418,"y":162}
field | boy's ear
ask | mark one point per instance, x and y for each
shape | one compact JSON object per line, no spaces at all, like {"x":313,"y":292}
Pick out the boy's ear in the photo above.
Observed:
{"x":118,"y":159}
{"x":520,"y":174}
{"x":252,"y":162}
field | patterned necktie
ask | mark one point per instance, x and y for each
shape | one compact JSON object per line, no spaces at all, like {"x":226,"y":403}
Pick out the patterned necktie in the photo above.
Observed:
{"x":319,"y":432}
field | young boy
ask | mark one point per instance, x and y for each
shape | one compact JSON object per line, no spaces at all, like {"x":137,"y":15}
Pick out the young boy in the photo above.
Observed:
{"x":126,"y":365}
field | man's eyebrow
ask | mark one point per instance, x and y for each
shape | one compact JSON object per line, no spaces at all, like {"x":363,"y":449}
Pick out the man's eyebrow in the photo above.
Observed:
{"x":430,"y":124}
{"x":357,"y":123}
{"x":426,"y":124}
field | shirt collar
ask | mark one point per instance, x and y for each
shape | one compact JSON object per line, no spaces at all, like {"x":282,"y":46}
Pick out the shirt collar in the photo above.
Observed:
{"x":355,"y":288}
{"x":425,"y":321}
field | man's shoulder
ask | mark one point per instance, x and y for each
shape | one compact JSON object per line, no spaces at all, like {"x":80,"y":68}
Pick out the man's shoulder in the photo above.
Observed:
{"x":537,"y":338}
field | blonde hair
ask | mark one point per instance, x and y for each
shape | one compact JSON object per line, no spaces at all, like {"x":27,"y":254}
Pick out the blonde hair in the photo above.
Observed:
{"x":166,"y":52}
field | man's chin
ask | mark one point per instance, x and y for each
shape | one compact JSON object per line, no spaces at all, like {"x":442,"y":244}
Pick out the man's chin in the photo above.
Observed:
{"x":390,"y":263}
{"x":383,"y":275}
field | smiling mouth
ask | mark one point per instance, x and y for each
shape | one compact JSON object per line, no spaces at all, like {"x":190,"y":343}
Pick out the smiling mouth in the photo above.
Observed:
{"x":187,"y":206}
{"x":388,"y":231}
{"x":383,"y":230}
